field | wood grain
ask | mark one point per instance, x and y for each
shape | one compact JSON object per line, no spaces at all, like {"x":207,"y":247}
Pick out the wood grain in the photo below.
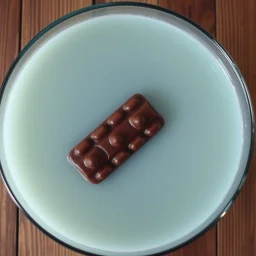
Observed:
{"x":33,"y":242}
{"x":8,"y":221}
{"x":37,"y":14}
{"x":236,"y":30}
{"x":9,"y":47}
{"x":202,"y":12}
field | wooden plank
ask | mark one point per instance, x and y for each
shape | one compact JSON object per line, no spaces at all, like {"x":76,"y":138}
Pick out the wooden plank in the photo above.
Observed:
{"x":32,"y":242}
{"x":36,"y":14}
{"x":236,"y":27}
{"x":9,"y":47}
{"x":202,"y":12}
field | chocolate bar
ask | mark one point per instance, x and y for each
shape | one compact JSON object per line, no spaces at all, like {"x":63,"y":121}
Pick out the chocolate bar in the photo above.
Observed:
{"x":116,"y":139}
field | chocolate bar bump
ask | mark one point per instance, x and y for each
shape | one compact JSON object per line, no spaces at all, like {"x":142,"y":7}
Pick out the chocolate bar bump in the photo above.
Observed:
{"x":103,"y":173}
{"x":120,"y":158}
{"x":136,"y":143}
{"x":95,"y":159}
{"x":90,"y":162}
{"x":138,"y":122}
{"x":116,"y":139}
{"x":115,"y":118}
{"x":153,"y":129}
{"x":131,"y":104}
{"x":82,"y":147}
{"x":99,"y":132}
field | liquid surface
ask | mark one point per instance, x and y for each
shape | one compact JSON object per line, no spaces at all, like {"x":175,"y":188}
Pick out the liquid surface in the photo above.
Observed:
{"x":169,"y":189}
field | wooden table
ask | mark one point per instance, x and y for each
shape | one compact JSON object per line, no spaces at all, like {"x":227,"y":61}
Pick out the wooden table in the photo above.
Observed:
{"x":233,"y":22}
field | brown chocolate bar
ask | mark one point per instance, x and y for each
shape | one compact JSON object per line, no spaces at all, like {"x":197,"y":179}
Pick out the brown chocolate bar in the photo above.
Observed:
{"x":116,"y":139}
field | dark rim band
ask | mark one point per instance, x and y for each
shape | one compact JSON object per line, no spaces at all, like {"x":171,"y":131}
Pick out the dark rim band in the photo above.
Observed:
{"x":94,"y":7}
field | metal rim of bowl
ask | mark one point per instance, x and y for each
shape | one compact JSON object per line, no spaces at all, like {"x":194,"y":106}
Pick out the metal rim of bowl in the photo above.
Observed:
{"x":154,"y":7}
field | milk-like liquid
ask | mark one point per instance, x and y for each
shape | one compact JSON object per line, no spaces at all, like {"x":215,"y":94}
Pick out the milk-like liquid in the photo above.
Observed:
{"x":165,"y":192}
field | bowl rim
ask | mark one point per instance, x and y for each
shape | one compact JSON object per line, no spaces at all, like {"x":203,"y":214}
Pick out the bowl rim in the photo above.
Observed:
{"x":170,"y":12}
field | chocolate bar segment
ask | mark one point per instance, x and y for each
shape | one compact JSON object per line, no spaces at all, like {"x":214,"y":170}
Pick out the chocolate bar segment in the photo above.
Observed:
{"x":116,"y":139}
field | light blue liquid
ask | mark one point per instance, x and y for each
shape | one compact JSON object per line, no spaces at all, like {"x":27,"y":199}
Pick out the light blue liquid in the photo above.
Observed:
{"x":167,"y":191}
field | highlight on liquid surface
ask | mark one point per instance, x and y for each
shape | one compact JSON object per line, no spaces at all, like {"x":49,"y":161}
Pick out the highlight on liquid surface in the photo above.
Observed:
{"x":168,"y":191}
